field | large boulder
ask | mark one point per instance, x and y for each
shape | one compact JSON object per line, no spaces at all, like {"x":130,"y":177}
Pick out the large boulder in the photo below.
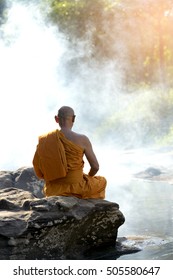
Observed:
{"x":24,"y":178}
{"x":55,"y":227}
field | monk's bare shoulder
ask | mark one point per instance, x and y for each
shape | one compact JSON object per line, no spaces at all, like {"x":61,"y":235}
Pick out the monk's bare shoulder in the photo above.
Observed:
{"x":82,"y":140}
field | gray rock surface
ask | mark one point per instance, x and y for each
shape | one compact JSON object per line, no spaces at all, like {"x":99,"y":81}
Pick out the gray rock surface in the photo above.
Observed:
{"x":24,"y":178}
{"x":156,"y":174}
{"x":55,"y":227}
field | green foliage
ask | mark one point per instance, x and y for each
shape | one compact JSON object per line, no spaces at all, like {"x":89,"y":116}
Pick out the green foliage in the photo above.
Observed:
{"x":166,"y":114}
{"x":137,"y":33}
{"x":145,"y":118}
{"x":136,"y":36}
{"x":167,"y":139}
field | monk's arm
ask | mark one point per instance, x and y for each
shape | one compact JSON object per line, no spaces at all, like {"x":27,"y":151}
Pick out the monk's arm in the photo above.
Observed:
{"x":89,"y":153}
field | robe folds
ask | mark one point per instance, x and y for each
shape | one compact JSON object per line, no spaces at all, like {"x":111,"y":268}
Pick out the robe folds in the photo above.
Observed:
{"x":60,"y":163}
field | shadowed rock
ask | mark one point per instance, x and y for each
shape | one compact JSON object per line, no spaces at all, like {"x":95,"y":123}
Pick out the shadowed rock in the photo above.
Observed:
{"x":55,"y":227}
{"x":23,"y":178}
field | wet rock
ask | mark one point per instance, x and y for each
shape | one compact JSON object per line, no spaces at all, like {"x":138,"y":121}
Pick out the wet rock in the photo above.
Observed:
{"x":156,"y":174}
{"x":55,"y":227}
{"x":149,"y":173}
{"x":145,"y":247}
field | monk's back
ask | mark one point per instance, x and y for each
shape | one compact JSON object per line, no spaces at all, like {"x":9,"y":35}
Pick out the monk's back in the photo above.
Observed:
{"x":74,"y":137}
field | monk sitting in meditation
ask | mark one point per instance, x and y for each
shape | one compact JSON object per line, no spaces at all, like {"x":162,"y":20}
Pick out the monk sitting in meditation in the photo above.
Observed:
{"x":59,"y":161}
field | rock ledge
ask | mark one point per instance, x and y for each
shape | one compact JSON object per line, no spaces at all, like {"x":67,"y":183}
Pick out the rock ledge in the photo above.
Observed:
{"x":55,"y":227}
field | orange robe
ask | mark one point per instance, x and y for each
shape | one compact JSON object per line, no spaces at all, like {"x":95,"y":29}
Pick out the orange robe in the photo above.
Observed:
{"x":55,"y":149}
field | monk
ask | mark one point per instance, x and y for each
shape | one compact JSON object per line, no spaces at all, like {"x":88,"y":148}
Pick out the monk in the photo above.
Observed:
{"x":59,"y":161}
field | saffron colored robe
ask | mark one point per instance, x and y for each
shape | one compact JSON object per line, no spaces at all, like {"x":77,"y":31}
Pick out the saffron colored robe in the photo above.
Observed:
{"x":60,"y":163}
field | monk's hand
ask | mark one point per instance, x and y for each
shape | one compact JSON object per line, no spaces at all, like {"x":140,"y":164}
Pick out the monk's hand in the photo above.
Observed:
{"x":85,"y":176}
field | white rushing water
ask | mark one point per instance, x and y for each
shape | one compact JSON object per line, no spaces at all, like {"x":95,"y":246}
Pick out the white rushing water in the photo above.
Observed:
{"x":35,"y":84}
{"x":30,"y":87}
{"x":38,"y":76}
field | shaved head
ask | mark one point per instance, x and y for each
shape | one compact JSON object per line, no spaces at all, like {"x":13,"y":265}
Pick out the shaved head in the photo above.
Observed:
{"x":65,"y":112}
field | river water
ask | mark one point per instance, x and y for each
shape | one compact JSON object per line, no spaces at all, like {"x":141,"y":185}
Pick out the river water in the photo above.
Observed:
{"x":147,"y":206}
{"x":149,"y":220}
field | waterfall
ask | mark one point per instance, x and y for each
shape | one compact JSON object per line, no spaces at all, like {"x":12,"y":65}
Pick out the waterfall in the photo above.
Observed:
{"x":39,"y":73}
{"x":41,"y":70}
{"x":31,"y":89}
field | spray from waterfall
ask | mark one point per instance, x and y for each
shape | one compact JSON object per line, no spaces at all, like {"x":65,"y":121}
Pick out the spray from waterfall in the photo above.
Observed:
{"x":35,"y":83}
{"x":30,"y":87}
{"x":40,"y":71}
